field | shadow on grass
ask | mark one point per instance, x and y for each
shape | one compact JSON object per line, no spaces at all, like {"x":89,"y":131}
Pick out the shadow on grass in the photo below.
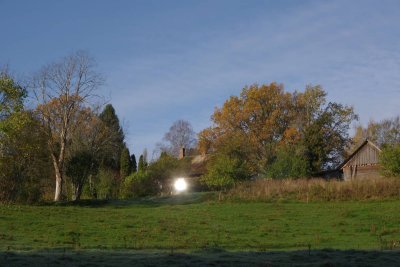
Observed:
{"x":182,"y":199}
{"x":209,"y":257}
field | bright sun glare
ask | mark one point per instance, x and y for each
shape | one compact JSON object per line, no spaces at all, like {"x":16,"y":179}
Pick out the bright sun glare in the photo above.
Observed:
{"x":180,"y":185}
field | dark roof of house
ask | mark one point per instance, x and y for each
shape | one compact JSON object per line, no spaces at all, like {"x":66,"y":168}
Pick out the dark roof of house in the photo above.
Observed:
{"x":198,"y":165}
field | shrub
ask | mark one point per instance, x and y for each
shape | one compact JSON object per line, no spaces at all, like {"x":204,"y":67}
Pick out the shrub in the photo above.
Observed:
{"x":18,"y":186}
{"x":390,"y":160}
{"x":106,"y":186}
{"x":224,"y":171}
{"x":24,"y":165}
{"x":167,"y":167}
{"x":155,"y":178}
{"x":139,"y":184}
{"x":289,"y":163}
{"x":78,"y":169}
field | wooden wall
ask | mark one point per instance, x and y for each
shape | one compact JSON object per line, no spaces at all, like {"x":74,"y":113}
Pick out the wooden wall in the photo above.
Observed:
{"x":367,"y":155}
{"x":363,"y":164}
{"x":361,"y":172}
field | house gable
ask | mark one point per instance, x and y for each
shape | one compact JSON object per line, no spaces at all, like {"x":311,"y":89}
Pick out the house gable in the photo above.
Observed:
{"x":363,"y":163}
{"x":366,"y":154}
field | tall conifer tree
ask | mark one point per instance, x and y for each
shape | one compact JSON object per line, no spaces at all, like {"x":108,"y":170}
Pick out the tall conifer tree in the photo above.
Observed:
{"x":133,"y":163}
{"x":141,"y":166}
{"x":110,"y":118}
{"x":125,"y":163}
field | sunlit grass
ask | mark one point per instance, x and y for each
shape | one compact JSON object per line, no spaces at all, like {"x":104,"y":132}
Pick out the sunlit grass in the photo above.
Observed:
{"x":189,"y":224}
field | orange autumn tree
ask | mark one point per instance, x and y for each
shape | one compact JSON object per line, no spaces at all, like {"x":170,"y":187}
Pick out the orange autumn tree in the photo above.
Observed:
{"x":250,"y":130}
{"x":256,"y":120}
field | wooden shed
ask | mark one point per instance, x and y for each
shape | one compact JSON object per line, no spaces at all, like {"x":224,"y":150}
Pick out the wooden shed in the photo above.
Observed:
{"x":362,"y":163}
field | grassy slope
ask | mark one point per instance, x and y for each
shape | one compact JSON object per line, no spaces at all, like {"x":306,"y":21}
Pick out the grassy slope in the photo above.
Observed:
{"x":188,"y":224}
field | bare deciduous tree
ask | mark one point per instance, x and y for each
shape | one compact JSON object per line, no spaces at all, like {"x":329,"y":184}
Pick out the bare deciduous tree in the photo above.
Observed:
{"x":383,"y":132}
{"x":180,"y":135}
{"x":61,"y":89}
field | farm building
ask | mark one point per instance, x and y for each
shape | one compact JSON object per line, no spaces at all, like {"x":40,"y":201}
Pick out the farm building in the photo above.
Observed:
{"x":362,"y":163}
{"x":195,"y":167}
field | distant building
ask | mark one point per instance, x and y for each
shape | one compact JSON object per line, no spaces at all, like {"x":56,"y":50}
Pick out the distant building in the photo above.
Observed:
{"x":196,"y":167}
{"x":362,"y":163}
{"x":182,"y":153}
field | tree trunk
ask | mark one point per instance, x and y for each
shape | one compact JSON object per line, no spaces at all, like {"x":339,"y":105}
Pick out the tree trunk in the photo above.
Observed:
{"x":92,"y":187}
{"x":58,"y":166}
{"x":59,"y":180}
{"x":77,"y":192}
{"x":59,"y":187}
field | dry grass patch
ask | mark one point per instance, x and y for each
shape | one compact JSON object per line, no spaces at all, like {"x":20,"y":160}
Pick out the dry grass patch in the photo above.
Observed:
{"x":315,"y":190}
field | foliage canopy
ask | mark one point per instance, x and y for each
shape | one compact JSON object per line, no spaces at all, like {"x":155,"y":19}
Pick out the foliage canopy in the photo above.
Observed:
{"x":263,"y":120}
{"x":390,"y":160}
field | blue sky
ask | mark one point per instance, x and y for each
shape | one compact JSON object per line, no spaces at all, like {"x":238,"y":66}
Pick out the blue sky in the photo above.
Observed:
{"x":169,"y":60}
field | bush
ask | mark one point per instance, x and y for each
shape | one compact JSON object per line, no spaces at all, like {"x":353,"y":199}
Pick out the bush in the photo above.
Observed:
{"x":224,"y":171}
{"x":139,"y":184}
{"x":78,"y":169}
{"x":106,"y":186}
{"x":289,"y":163}
{"x":18,"y":186}
{"x":24,"y":165}
{"x":156,"y":178}
{"x":167,"y":167}
{"x":390,"y":160}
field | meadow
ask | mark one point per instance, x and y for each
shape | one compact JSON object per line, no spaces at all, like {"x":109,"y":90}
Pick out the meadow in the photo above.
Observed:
{"x":197,"y":229}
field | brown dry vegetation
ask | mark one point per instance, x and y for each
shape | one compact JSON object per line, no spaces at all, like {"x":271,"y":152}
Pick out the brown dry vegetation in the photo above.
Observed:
{"x":315,"y":190}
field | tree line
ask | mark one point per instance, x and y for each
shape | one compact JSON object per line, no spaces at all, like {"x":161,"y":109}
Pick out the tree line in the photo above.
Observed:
{"x":58,"y":141}
{"x":267,"y":132}
{"x":64,"y":142}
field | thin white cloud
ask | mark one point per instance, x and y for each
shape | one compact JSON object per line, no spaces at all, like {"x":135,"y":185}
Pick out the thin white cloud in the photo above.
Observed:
{"x":332,"y":44}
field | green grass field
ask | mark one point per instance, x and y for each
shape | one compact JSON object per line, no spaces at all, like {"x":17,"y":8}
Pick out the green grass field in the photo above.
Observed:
{"x":194,"y":227}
